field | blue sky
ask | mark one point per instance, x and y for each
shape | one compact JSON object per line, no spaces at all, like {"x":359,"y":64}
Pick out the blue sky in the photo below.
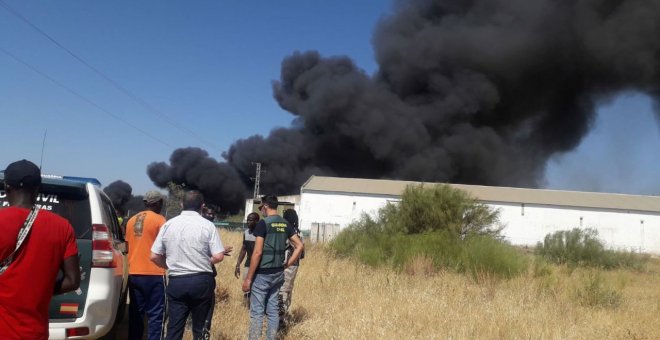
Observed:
{"x":208,"y":67}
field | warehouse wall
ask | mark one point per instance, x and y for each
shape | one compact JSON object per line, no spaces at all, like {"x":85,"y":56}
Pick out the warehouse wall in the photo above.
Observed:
{"x":525,"y":224}
{"x":327,"y":209}
{"x":619,"y":229}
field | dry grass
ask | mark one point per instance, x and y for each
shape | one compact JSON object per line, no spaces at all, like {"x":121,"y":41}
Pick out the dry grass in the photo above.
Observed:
{"x":341,"y":299}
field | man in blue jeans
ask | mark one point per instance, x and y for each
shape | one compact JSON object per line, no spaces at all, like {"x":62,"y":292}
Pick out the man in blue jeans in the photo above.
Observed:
{"x":266,"y":273}
{"x":189,"y":246}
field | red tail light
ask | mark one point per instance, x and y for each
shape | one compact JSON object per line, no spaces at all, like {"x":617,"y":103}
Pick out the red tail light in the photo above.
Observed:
{"x":77,"y":331}
{"x":102,"y":252}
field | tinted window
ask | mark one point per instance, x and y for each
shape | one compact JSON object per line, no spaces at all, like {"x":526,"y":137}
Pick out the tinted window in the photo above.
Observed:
{"x":70,"y":203}
{"x":111,"y":218}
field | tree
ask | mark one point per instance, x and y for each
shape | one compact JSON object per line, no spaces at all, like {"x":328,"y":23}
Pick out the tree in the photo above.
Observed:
{"x":174,"y":200}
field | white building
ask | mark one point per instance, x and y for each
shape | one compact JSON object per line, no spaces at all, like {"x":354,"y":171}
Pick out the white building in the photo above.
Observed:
{"x":632,"y":222}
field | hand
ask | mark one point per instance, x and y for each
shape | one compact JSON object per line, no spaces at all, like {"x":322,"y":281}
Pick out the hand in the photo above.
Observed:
{"x":228,"y":250}
{"x":237,"y":271}
{"x":247,"y":284}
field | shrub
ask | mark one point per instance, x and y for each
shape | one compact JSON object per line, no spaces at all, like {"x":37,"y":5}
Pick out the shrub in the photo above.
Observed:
{"x":440,"y":207}
{"x":541,"y":268}
{"x":440,"y":227}
{"x":581,"y":247}
{"x":349,"y":239}
{"x":484,"y":254}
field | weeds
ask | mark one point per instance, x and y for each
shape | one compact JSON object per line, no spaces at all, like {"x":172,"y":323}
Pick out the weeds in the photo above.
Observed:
{"x":419,"y":265}
{"x":595,"y":292}
{"x":357,"y":301}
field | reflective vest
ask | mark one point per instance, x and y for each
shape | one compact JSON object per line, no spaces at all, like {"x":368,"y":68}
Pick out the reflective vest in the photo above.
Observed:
{"x":274,"y":243}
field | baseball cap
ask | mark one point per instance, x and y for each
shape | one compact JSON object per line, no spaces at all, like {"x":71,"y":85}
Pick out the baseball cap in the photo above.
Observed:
{"x":152,"y":196}
{"x":23,"y":173}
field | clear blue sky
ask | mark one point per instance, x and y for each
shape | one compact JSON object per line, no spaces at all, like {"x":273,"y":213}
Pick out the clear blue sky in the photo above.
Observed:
{"x":208,"y":66}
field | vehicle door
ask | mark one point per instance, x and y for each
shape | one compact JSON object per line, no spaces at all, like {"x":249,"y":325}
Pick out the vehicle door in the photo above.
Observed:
{"x":120,"y":246}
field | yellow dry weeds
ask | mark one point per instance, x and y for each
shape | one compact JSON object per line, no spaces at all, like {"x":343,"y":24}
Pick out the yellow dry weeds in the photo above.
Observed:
{"x":341,"y":299}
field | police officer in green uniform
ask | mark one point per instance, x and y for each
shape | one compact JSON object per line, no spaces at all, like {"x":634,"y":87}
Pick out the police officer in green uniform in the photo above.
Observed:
{"x":266,"y":274}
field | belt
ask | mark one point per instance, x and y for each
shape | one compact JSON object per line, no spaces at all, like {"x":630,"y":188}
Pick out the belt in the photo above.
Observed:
{"x":184,"y":276}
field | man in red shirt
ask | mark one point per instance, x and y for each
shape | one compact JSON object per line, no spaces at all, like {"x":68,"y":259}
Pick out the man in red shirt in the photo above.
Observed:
{"x":29,"y":282}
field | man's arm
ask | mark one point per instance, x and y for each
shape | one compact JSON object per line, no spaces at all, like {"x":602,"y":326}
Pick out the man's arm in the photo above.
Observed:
{"x":241,"y":256}
{"x":217,"y":250}
{"x":159,"y":260}
{"x":217,"y":258}
{"x":254,"y":262}
{"x":71,"y":270}
{"x":158,"y":250}
{"x":297,"y":250}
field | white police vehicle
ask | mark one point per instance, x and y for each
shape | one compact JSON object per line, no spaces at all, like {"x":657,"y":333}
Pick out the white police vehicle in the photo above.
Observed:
{"x":89,"y":312}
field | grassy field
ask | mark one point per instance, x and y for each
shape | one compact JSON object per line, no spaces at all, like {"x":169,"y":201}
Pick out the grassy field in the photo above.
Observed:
{"x":341,"y":299}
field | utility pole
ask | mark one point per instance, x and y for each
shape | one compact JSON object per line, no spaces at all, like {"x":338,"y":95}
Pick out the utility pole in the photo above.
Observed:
{"x":257,"y":178}
{"x":43,"y":146}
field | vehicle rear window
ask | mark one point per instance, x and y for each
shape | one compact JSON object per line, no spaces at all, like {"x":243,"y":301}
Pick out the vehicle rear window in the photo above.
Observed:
{"x":71,"y":203}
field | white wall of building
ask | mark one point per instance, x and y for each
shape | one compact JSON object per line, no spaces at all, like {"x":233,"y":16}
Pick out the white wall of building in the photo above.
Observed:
{"x":619,"y":229}
{"x":336,"y":208}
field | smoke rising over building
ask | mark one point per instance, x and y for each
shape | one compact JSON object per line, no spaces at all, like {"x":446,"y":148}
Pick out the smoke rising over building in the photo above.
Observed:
{"x":475,"y":92}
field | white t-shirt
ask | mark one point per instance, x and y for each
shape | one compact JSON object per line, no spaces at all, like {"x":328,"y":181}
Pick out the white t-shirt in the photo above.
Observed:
{"x":188,"y":241}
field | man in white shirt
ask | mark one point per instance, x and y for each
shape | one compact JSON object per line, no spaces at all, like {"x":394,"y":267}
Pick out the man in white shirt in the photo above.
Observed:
{"x":189,"y":246}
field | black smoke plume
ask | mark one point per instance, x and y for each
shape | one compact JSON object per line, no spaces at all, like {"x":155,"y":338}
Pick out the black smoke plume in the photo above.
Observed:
{"x":120,"y":194}
{"x":467,"y":91}
{"x":220,"y":183}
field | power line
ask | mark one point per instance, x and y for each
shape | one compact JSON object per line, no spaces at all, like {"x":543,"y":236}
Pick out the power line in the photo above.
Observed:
{"x":111,"y":81}
{"x":80,"y":96}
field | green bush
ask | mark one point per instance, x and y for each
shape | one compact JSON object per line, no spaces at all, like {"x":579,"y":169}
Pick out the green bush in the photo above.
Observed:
{"x":581,"y":247}
{"x":440,"y":207}
{"x":541,"y":268}
{"x":485,"y":255}
{"x":595,"y":292}
{"x":438,"y":223}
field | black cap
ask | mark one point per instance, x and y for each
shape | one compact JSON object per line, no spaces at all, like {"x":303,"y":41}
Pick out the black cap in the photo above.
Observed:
{"x":22,"y":174}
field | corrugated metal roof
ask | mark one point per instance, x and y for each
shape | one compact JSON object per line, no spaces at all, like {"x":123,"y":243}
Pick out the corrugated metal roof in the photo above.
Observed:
{"x":492,"y":194}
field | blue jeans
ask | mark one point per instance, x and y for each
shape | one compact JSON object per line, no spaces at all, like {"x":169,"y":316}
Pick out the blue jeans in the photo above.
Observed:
{"x":263,"y":298}
{"x":147,"y":294}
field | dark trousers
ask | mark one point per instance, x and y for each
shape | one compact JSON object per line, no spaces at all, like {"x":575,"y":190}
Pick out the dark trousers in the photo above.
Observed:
{"x":190,"y":295}
{"x":147,"y":295}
